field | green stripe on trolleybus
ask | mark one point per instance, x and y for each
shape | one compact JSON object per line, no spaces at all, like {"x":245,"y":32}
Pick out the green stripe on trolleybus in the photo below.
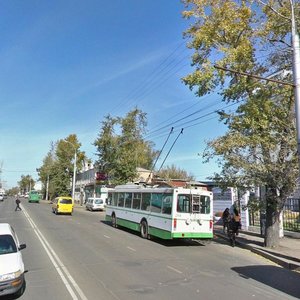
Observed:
{"x":163,"y":234}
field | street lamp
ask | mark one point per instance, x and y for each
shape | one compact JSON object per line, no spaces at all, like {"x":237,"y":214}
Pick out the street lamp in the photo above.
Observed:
{"x":74,"y":170}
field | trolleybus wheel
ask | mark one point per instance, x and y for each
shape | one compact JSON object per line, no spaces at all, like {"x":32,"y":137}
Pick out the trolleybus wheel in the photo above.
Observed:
{"x":144,"y":230}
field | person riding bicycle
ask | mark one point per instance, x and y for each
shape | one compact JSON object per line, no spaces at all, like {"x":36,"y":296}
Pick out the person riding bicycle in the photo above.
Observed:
{"x":235,"y":222}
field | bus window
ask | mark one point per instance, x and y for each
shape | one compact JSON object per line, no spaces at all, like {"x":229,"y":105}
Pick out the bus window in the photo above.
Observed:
{"x":115,"y":199}
{"x":146,"y":197}
{"x":109,"y":199}
{"x":128,"y":200}
{"x":121,"y":200}
{"x":205,"y":204}
{"x":183,"y":203}
{"x":167,"y":204}
{"x":136,"y":201}
{"x":196,"y":205}
{"x":156,"y":203}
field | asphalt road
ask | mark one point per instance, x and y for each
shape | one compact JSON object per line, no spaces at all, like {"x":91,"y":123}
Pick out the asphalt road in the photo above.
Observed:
{"x":82,"y":257}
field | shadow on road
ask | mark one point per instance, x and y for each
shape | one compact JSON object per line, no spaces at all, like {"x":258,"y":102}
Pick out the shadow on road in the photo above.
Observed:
{"x":276,"y":277}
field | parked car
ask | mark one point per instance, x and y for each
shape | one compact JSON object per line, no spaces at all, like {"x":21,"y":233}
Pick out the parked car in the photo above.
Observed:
{"x":1,"y":197}
{"x":12,"y":280}
{"x":95,"y":204}
{"x":62,"y":205}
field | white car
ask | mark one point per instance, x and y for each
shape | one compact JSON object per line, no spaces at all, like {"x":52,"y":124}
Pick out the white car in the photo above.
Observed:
{"x":95,"y":204}
{"x":12,"y":280}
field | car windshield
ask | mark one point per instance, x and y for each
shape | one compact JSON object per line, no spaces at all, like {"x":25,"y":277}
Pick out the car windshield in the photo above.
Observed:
{"x":7,"y":244}
{"x":98,"y":201}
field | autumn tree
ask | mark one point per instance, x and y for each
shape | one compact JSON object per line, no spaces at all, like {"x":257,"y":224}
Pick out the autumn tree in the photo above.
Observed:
{"x":173,"y":172}
{"x":259,"y":148}
{"x":121,"y":147}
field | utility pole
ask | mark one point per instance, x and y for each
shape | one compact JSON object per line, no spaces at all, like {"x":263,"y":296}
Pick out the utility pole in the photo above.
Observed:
{"x":47,"y":187}
{"x":296,"y":75}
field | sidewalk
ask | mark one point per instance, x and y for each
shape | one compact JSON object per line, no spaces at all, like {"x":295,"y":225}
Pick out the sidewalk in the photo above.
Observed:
{"x":286,"y":255}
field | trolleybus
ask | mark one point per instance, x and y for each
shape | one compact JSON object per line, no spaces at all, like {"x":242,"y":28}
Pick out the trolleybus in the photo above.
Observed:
{"x":164,"y":212}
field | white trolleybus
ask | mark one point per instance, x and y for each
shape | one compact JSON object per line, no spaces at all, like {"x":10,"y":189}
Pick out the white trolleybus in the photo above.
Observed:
{"x":164,"y":212}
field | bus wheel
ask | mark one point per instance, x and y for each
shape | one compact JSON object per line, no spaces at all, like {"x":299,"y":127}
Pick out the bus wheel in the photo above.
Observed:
{"x":114,"y":221}
{"x":144,"y":230}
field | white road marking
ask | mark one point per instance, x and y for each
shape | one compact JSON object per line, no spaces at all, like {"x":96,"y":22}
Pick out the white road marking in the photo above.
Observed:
{"x":175,"y":270}
{"x":59,"y":266}
{"x":106,"y":236}
{"x":131,"y":249}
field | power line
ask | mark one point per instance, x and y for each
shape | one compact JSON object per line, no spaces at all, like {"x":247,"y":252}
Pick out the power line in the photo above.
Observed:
{"x":152,"y":77}
{"x":171,"y":131}
{"x":183,"y":118}
{"x":181,"y":132}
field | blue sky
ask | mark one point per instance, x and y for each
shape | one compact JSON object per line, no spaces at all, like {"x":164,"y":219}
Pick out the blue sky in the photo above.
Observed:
{"x":67,"y":64}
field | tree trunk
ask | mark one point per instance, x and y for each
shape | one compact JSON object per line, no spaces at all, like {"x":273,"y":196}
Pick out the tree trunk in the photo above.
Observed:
{"x":272,"y":227}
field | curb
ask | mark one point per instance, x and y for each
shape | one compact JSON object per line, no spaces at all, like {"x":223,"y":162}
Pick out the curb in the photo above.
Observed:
{"x":282,"y":262}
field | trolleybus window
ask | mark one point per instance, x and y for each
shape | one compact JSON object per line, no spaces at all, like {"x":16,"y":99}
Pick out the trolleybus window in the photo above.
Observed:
{"x":128,"y":200}
{"x":146,"y":197}
{"x":156,"y":202}
{"x":121,"y":199}
{"x":136,"y":201}
{"x":183,"y":203}
{"x":205,"y":204}
{"x":167,"y":204}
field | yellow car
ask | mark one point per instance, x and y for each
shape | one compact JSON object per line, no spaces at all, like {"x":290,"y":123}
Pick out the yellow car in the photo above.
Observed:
{"x":62,"y":205}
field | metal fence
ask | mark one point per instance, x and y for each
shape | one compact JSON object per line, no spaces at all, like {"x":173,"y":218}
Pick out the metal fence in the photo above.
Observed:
{"x":291,"y":216}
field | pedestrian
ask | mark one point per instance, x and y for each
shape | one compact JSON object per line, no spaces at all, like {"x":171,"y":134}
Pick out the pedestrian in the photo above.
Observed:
{"x":18,"y":204}
{"x":236,"y":219}
{"x":225,"y":218}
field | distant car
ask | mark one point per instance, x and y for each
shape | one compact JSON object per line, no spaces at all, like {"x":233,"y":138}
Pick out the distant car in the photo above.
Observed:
{"x":62,"y":205}
{"x":12,"y":280}
{"x":1,"y":197}
{"x":95,"y":204}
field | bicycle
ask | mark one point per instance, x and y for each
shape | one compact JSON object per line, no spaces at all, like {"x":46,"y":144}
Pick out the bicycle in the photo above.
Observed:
{"x":232,"y":231}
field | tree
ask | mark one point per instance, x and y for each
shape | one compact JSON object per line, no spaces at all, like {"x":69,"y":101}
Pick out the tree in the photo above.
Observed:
{"x":259,"y":148}
{"x":120,"y":154}
{"x":173,"y":172}
{"x":58,"y":165}
{"x":26,"y":183}
{"x":13,"y":191}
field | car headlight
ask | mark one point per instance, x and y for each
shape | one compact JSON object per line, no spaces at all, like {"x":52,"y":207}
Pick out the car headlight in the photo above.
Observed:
{"x":10,"y":276}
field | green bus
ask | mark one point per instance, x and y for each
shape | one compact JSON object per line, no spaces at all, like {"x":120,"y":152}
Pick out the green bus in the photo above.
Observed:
{"x":33,"y":196}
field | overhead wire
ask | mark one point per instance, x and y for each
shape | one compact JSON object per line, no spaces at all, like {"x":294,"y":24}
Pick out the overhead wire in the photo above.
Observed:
{"x":181,"y":132}
{"x":158,"y":156}
{"x":140,"y":90}
{"x":183,"y":118}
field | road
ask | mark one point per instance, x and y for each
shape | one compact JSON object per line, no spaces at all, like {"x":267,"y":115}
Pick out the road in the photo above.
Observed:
{"x":82,"y":257}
